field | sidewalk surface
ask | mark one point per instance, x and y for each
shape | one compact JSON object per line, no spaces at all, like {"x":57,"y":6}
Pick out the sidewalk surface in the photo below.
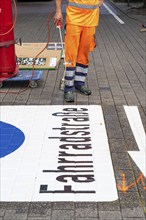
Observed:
{"x":117,"y":79}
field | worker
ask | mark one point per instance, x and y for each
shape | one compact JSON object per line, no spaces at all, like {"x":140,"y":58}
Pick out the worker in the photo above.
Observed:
{"x":82,"y":18}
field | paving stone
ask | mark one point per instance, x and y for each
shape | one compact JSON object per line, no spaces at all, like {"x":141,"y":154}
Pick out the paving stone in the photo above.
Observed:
{"x":116,"y":90}
{"x":94,"y":99}
{"x":2,"y":211}
{"x":32,"y":102}
{"x":113,"y":129}
{"x":126,"y":129}
{"x":86,"y":205}
{"x":39,"y":209}
{"x":107,"y":99}
{"x":142,"y":192}
{"x":133,"y":218}
{"x":112,"y":124}
{"x":86,"y":212}
{"x":129,"y":197}
{"x":10,"y":98}
{"x":121,"y":112}
{"x":62,"y":205}
{"x":12,"y":215}
{"x":109,"y":110}
{"x":82,"y":98}
{"x":63,"y":214}
{"x":140,"y":93}
{"x":39,"y":218}
{"x":131,"y":99}
{"x":17,"y":206}
{"x":137,"y":171}
{"x":45,"y":102}
{"x":131,"y":144}
{"x":110,"y":215}
{"x":119,"y":99}
{"x":21,"y":207}
{"x":117,"y":145}
{"x":2,"y":95}
{"x":131,"y":210}
{"x":111,"y":206}
{"x":121,"y":161}
{"x":87,"y":218}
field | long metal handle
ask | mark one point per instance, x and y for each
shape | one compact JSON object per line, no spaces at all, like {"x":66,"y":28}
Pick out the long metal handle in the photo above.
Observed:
{"x":62,"y":44}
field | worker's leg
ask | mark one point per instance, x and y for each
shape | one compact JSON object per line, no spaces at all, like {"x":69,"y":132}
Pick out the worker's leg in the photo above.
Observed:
{"x":71,"y":49}
{"x":86,"y":42}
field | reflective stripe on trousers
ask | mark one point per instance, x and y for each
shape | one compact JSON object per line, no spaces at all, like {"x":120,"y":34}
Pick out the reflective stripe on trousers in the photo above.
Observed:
{"x":69,"y":79}
{"x":75,"y":76}
{"x":80,"y":74}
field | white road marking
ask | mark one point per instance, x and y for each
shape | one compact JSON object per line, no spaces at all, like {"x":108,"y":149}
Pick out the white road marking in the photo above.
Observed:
{"x":65,"y":157}
{"x":112,"y":13}
{"x":135,"y":122}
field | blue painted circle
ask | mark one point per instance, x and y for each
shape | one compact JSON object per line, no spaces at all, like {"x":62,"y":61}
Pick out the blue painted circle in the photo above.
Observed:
{"x":11,"y":138}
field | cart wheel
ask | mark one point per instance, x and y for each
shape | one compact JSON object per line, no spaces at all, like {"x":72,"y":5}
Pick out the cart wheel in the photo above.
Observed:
{"x":1,"y":84}
{"x":33,"y":84}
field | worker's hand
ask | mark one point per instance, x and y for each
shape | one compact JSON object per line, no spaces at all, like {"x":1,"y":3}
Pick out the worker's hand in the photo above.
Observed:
{"x":58,"y":17}
{"x":100,"y":2}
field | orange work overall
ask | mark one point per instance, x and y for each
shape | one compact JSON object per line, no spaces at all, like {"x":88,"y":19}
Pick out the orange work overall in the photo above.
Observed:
{"x":81,"y":21}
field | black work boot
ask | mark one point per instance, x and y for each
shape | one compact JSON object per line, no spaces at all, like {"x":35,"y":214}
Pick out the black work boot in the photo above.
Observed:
{"x":84,"y":90}
{"x":69,"y":96}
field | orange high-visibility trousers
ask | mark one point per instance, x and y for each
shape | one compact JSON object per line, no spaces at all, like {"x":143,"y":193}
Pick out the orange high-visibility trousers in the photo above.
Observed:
{"x":79,"y":41}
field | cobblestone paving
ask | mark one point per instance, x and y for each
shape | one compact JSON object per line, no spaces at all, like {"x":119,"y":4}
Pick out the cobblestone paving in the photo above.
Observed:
{"x":117,"y":78}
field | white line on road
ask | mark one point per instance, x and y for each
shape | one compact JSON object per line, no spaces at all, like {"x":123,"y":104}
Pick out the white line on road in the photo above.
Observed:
{"x":112,"y":13}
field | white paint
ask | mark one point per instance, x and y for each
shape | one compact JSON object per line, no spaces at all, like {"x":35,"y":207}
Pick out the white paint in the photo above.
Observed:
{"x":140,"y":137}
{"x":112,"y":13}
{"x":21,"y":171}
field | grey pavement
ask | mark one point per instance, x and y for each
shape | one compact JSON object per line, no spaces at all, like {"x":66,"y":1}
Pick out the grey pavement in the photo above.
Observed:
{"x":117,"y":78}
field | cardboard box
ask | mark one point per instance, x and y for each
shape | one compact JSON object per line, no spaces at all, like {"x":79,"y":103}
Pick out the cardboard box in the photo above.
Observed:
{"x":46,"y":56}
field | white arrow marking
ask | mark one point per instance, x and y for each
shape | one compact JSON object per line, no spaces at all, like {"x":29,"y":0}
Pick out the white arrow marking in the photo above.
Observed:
{"x":140,"y":137}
